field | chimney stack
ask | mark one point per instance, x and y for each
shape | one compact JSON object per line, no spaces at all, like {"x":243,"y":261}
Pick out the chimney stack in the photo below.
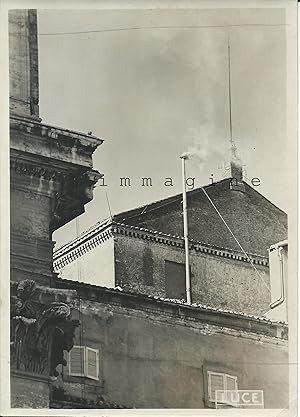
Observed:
{"x":236,"y":170}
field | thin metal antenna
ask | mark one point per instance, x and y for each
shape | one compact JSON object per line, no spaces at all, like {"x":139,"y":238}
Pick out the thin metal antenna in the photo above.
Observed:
{"x":109,"y":209}
{"x":232,"y":143}
{"x":229,"y":91}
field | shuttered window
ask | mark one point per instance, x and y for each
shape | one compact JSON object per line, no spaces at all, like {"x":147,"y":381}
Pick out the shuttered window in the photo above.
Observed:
{"x":220,"y":381}
{"x":76,"y":361}
{"x":83,"y":361}
{"x":92,"y":363}
{"x":231,"y":382}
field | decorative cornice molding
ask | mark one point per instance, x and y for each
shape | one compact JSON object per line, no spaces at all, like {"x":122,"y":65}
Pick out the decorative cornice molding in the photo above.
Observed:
{"x":41,"y":130}
{"x":33,"y":170}
{"x":87,"y":241}
{"x":82,"y":249}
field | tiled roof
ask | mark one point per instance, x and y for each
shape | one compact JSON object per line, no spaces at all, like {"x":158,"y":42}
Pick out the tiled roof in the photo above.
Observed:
{"x":154,"y":205}
{"x":254,"y":220}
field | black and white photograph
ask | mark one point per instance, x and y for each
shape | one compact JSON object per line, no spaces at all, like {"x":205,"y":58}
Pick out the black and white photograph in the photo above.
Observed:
{"x":152,"y":208}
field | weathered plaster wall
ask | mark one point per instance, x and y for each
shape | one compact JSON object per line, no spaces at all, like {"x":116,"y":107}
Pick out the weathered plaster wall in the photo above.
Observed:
{"x":24,"y":203}
{"x":29,"y":393}
{"x":216,"y":281}
{"x":31,"y":246}
{"x":152,"y":360}
{"x":94,"y":267}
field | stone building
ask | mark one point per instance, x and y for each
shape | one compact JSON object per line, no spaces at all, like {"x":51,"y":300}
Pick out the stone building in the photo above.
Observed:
{"x":78,"y":345}
{"x":51,"y":179}
{"x":153,"y":350}
{"x":137,"y":351}
{"x":142,"y":250}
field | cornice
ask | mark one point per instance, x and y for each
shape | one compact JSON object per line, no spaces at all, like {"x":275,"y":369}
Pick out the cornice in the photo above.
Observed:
{"x":46,"y":144}
{"x":61,"y":262}
{"x":21,"y":167}
{"x":178,"y":241}
{"x":96,"y":236}
{"x":39,"y":129}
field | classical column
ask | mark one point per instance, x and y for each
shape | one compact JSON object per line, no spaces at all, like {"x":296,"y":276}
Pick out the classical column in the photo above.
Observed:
{"x":23,"y":63}
{"x":41,"y":330}
{"x":52,"y":179}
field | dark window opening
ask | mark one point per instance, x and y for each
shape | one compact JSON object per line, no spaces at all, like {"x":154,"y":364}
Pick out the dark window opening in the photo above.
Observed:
{"x":147,"y":266}
{"x":175,"y":280}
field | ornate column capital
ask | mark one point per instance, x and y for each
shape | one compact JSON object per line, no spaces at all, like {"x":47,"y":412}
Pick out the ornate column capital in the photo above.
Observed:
{"x":40,"y":332}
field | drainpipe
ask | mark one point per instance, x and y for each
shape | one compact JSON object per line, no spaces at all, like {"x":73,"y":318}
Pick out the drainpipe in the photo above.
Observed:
{"x":185,"y":231}
{"x":282,"y":295}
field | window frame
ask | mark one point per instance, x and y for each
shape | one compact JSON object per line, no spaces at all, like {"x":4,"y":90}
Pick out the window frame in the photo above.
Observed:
{"x":224,"y":376}
{"x":85,"y":370}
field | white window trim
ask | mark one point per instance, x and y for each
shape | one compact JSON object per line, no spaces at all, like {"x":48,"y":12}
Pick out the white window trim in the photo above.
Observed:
{"x":85,"y":362}
{"x":224,"y":376}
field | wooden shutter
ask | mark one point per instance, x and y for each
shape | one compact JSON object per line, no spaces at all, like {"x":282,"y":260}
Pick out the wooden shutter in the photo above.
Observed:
{"x":231,"y":382}
{"x":215,"y":382}
{"x":76,"y":361}
{"x":92,"y":363}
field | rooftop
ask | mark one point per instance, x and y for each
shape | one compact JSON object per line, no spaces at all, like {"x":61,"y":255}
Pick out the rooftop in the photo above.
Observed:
{"x":176,"y":308}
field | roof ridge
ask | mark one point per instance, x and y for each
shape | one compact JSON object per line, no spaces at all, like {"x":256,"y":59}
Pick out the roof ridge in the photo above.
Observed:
{"x":172,"y":198}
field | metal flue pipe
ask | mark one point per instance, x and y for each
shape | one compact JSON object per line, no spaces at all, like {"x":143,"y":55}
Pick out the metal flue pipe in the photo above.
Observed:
{"x":184,"y":157}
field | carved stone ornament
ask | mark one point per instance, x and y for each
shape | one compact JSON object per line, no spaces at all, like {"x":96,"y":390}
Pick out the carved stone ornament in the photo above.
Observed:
{"x":31,"y":170}
{"x":39,"y":333}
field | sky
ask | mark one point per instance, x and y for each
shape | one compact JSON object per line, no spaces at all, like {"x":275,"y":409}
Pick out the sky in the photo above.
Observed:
{"x":160,"y":88}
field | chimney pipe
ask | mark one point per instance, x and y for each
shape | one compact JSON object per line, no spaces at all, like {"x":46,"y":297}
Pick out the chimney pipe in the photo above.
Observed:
{"x":185,"y":230}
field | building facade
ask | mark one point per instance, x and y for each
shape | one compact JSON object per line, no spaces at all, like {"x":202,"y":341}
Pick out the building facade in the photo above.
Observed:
{"x":153,"y":263}
{"x":152,"y":353}
{"x":142,"y":250}
{"x":130,"y":340}
{"x":51,"y":180}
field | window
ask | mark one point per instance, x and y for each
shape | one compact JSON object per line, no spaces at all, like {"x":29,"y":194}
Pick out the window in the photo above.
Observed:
{"x":220,"y":381}
{"x":83,"y":361}
{"x":148,"y":266}
{"x":175,"y":280}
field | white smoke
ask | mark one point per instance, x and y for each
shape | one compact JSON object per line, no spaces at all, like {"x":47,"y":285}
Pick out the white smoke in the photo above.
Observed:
{"x":206,"y":146}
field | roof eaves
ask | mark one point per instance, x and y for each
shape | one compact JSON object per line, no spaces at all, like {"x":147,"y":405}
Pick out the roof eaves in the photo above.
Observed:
{"x":197,"y":306}
{"x":79,"y":246}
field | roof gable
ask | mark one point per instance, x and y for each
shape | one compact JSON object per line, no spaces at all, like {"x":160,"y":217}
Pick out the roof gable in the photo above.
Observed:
{"x":254,"y":220}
